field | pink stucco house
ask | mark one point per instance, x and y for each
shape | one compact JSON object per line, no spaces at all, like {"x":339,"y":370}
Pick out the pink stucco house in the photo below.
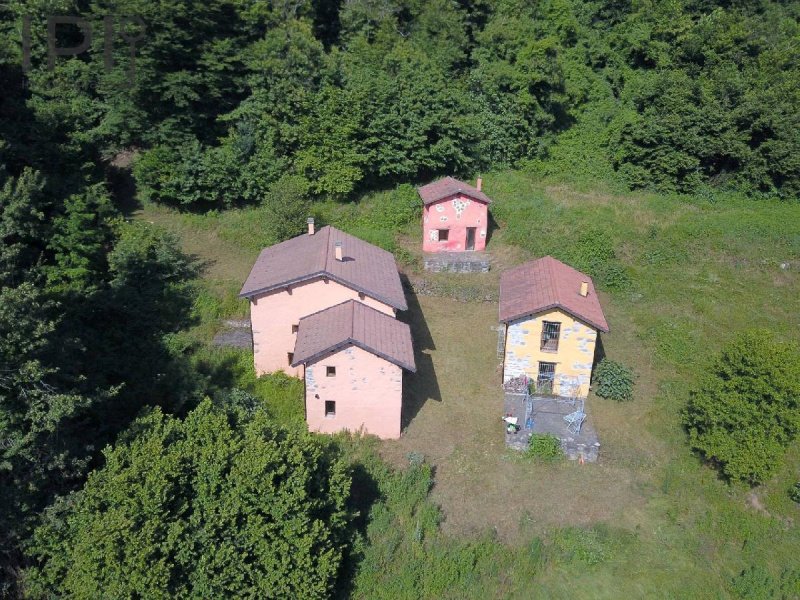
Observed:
{"x":455,"y":216}
{"x":305,"y":276}
{"x":354,"y":357}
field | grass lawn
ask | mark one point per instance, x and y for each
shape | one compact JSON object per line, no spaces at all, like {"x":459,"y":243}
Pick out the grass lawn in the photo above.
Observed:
{"x":648,"y":520}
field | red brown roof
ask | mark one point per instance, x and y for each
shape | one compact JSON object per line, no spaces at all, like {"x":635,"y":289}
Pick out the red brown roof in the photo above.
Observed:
{"x":365,"y":268}
{"x":448,"y":186}
{"x":354,"y":323}
{"x":547,"y":283}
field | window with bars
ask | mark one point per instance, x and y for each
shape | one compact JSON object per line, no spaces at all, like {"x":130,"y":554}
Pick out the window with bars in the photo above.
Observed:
{"x":550,"y":334}
{"x":546,"y":378}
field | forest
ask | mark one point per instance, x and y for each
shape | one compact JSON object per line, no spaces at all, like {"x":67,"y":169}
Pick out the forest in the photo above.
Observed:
{"x":130,"y":459}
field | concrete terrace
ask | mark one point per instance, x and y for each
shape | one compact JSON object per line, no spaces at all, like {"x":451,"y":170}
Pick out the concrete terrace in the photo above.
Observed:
{"x":546,"y":415}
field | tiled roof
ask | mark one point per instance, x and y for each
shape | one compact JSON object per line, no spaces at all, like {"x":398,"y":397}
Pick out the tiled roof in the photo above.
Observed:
{"x":446,"y":187}
{"x":355,"y":323}
{"x":365,"y":268}
{"x":547,"y":283}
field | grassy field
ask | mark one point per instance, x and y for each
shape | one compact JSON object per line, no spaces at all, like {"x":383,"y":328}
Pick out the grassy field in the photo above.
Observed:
{"x":680,"y":276}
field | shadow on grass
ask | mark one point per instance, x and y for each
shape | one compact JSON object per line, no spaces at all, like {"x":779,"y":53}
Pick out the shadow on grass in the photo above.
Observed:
{"x":423,"y":385}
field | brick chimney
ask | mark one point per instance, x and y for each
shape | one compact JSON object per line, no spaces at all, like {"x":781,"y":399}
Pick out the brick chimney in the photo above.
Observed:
{"x":310,"y":222}
{"x":584,"y":288}
{"x":479,"y":184}
{"x":339,"y":256}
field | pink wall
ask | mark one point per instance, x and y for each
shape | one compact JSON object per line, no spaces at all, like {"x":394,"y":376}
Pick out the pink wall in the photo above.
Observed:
{"x":455,"y":213}
{"x":273,"y":314}
{"x":368,"y":392}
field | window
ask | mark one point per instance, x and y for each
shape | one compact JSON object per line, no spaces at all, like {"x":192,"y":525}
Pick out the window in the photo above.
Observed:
{"x":290,"y":358}
{"x":330,"y":408}
{"x":550,"y":333}
{"x":295,"y":328}
{"x":444,"y":235}
{"x":330,"y":371}
{"x":547,"y":375}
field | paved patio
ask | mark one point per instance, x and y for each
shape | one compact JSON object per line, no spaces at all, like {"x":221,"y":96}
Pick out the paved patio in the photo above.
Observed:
{"x":545,"y":414}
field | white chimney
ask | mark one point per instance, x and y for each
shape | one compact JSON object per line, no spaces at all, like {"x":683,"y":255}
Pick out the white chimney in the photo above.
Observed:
{"x":479,"y":184}
{"x":310,"y":222}
{"x":339,"y":251}
{"x":584,"y":288}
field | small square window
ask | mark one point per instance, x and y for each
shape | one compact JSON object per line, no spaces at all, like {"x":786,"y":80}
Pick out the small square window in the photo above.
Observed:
{"x":444,"y":235}
{"x":330,"y":408}
{"x":330,"y":371}
{"x":290,"y":358}
{"x":295,"y":328}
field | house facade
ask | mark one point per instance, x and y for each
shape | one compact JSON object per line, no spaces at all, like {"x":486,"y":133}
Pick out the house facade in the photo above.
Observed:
{"x":307,"y":274}
{"x":552,"y":317}
{"x":455,"y":216}
{"x":354,"y":370}
{"x":322,"y":307}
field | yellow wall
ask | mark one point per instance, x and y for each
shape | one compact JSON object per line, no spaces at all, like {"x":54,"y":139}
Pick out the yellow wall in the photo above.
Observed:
{"x":573,"y":358}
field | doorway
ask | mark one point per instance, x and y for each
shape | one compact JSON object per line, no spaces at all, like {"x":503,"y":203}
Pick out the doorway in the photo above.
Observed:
{"x":470,"y":238}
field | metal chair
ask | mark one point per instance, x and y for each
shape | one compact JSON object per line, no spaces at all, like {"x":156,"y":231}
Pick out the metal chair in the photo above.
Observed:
{"x":574,"y":421}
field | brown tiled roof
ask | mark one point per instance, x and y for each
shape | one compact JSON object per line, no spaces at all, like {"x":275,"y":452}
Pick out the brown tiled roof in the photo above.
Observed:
{"x":355,"y":323}
{"x":446,"y":187}
{"x":547,"y":283}
{"x":365,"y":268}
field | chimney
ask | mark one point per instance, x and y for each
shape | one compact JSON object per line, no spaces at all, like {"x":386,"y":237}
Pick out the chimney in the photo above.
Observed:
{"x":339,"y":251}
{"x":310,"y":222}
{"x":584,"y":288}
{"x":479,"y":184}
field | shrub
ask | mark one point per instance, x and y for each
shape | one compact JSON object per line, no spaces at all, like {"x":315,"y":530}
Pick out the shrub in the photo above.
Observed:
{"x":589,"y":546}
{"x":745,"y":411}
{"x":545,"y":446}
{"x":755,"y":583}
{"x":794,"y":492}
{"x":613,"y":380}
{"x":593,"y":252}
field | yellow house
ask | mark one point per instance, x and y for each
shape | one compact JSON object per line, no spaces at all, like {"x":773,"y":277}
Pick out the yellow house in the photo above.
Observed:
{"x":552,"y":317}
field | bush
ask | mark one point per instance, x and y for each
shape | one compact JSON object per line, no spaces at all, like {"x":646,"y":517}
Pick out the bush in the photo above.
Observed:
{"x":755,"y":583}
{"x":745,"y":410}
{"x":613,"y":380}
{"x":545,"y":446}
{"x":794,"y":492}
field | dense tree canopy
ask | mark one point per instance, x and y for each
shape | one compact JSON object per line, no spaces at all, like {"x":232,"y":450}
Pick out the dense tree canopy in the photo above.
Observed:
{"x":227,"y":102}
{"x":216,"y":505}
{"x":672,"y":96}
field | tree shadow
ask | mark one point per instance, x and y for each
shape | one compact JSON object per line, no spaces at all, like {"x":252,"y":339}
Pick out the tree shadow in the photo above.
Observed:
{"x":364,"y":492}
{"x":122,"y":184}
{"x":423,"y":385}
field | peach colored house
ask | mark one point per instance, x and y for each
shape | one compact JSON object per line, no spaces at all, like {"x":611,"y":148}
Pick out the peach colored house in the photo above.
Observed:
{"x":552,"y":317}
{"x":307,"y":274}
{"x":354,"y":357}
{"x":322,"y":307}
{"x":455,"y":216}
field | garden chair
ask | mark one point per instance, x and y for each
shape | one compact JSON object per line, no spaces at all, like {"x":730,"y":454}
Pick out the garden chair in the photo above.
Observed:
{"x":574,"y":420}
